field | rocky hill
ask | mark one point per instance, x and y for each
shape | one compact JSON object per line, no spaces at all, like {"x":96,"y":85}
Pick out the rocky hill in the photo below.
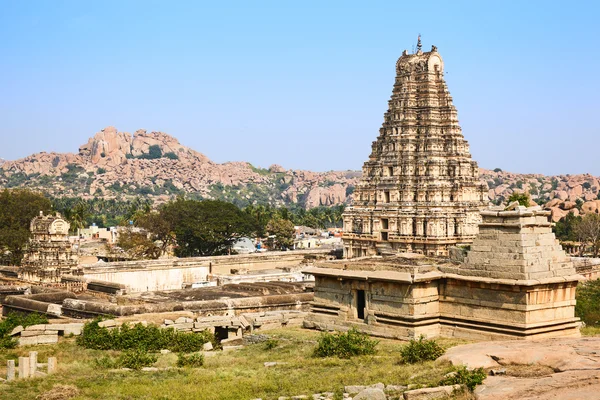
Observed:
{"x":578,"y":194}
{"x":118,"y":164}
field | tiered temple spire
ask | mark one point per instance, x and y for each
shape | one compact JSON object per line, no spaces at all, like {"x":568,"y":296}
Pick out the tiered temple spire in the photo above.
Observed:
{"x":420,"y":190}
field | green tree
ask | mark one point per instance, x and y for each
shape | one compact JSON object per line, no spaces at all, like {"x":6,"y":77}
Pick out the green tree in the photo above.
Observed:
{"x":565,"y":228}
{"x":522,"y":198}
{"x":138,"y":244}
{"x":207,"y":227}
{"x":283,"y":230}
{"x":17,"y":208}
{"x":588,"y":302}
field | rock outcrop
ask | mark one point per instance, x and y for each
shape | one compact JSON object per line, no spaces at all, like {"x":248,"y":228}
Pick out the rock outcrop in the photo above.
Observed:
{"x":156,"y":165}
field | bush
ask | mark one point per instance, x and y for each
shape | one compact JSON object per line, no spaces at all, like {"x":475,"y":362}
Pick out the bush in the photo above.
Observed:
{"x":345,"y":345}
{"x":588,"y":302}
{"x":270,"y":344}
{"x":462,"y":376}
{"x":12,"y":321}
{"x":148,"y":338}
{"x":194,"y":360}
{"x":171,"y":155}
{"x":421,"y":350}
{"x":136,"y":359}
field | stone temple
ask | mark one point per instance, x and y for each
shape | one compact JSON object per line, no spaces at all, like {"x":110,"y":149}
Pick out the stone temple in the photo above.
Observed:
{"x":49,"y":254}
{"x":420,"y":190}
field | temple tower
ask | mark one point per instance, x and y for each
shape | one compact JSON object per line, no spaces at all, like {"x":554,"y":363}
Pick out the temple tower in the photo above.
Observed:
{"x":420,"y":190}
{"x":49,"y":254}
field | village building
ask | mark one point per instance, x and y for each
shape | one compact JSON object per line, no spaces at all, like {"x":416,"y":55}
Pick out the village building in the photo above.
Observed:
{"x":420,"y":189}
{"x":49,"y":253}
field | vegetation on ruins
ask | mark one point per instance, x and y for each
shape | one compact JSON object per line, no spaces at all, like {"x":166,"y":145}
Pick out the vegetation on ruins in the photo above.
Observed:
{"x":588,"y":302}
{"x":521,"y":197}
{"x":464,"y":376}
{"x":11,"y":321}
{"x":420,"y":350}
{"x":17,"y":209}
{"x":345,"y":344}
{"x":138,"y":336}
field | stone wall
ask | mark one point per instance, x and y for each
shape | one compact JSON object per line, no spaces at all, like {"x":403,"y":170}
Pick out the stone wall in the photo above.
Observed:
{"x":168,"y":274}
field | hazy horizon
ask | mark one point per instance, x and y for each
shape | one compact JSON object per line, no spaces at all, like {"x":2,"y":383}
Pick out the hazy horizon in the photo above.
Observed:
{"x":300,"y":85}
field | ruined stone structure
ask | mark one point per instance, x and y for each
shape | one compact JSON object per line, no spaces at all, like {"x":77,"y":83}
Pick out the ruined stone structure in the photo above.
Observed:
{"x":49,"y":253}
{"x":420,"y":190}
{"x":515,"y":282}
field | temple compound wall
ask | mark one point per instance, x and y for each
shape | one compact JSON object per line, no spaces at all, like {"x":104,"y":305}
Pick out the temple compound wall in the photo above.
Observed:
{"x":420,"y":189}
{"x":515,"y":283}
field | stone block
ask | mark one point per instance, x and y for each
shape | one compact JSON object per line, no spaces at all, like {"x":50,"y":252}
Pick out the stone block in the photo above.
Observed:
{"x":41,"y":327}
{"x":207,"y":346}
{"x":40,"y":339}
{"x":52,"y":364}
{"x":371,"y":394}
{"x":33,"y":363}
{"x":31,"y":333}
{"x":16,"y":330}
{"x":439,"y":392}
{"x":23,"y":367}
{"x":169,"y":322}
{"x":10,"y":370}
{"x":182,"y":326}
{"x":109,"y":323}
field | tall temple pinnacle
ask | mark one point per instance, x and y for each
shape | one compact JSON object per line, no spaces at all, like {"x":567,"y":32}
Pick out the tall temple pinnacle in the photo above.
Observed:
{"x":420,"y":190}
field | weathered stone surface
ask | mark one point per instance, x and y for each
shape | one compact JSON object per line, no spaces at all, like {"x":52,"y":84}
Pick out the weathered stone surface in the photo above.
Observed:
{"x":208,"y":346}
{"x":439,"y":392}
{"x":16,"y":330}
{"x":109,"y":323}
{"x":370,"y":394}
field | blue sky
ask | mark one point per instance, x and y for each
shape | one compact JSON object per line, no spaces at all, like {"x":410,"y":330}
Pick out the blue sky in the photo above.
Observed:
{"x":302,"y":84}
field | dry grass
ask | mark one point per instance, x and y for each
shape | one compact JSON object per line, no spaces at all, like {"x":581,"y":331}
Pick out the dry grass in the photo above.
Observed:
{"x":238,"y":374}
{"x":59,"y":392}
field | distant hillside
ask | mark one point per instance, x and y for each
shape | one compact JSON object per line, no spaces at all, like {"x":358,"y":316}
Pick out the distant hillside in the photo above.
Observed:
{"x":116,"y":164}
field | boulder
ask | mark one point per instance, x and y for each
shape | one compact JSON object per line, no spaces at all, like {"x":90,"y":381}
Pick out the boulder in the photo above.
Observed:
{"x":568,"y":205}
{"x":371,"y":394}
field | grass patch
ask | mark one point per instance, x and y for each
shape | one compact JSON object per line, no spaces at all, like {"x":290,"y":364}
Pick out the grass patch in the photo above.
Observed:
{"x":236,"y":374}
{"x":590,"y":331}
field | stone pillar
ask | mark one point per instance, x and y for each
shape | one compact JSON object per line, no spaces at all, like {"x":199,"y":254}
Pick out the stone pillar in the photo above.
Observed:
{"x":23,"y":367}
{"x":33,"y":356}
{"x":51,"y":365}
{"x":10,"y":370}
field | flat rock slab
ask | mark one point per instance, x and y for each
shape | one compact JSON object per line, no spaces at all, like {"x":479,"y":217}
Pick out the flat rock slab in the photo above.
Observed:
{"x":559,"y":354}
{"x":575,"y":361}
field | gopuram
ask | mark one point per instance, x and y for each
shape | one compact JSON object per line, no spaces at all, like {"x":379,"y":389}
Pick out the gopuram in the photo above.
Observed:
{"x":49,"y":253}
{"x":420,"y":194}
{"x":420,"y":191}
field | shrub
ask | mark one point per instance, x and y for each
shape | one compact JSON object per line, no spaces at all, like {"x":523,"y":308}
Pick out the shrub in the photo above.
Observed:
{"x":148,"y":338}
{"x":194,"y":360}
{"x":270,"y":344}
{"x":101,"y":171}
{"x":420,"y":350}
{"x":13,"y":320}
{"x":588,"y":302}
{"x":136,"y":359}
{"x":345,"y":345}
{"x":171,"y":155}
{"x":462,"y":376}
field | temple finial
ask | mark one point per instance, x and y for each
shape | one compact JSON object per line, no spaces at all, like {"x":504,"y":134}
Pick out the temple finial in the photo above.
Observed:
{"x":419,"y":45}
